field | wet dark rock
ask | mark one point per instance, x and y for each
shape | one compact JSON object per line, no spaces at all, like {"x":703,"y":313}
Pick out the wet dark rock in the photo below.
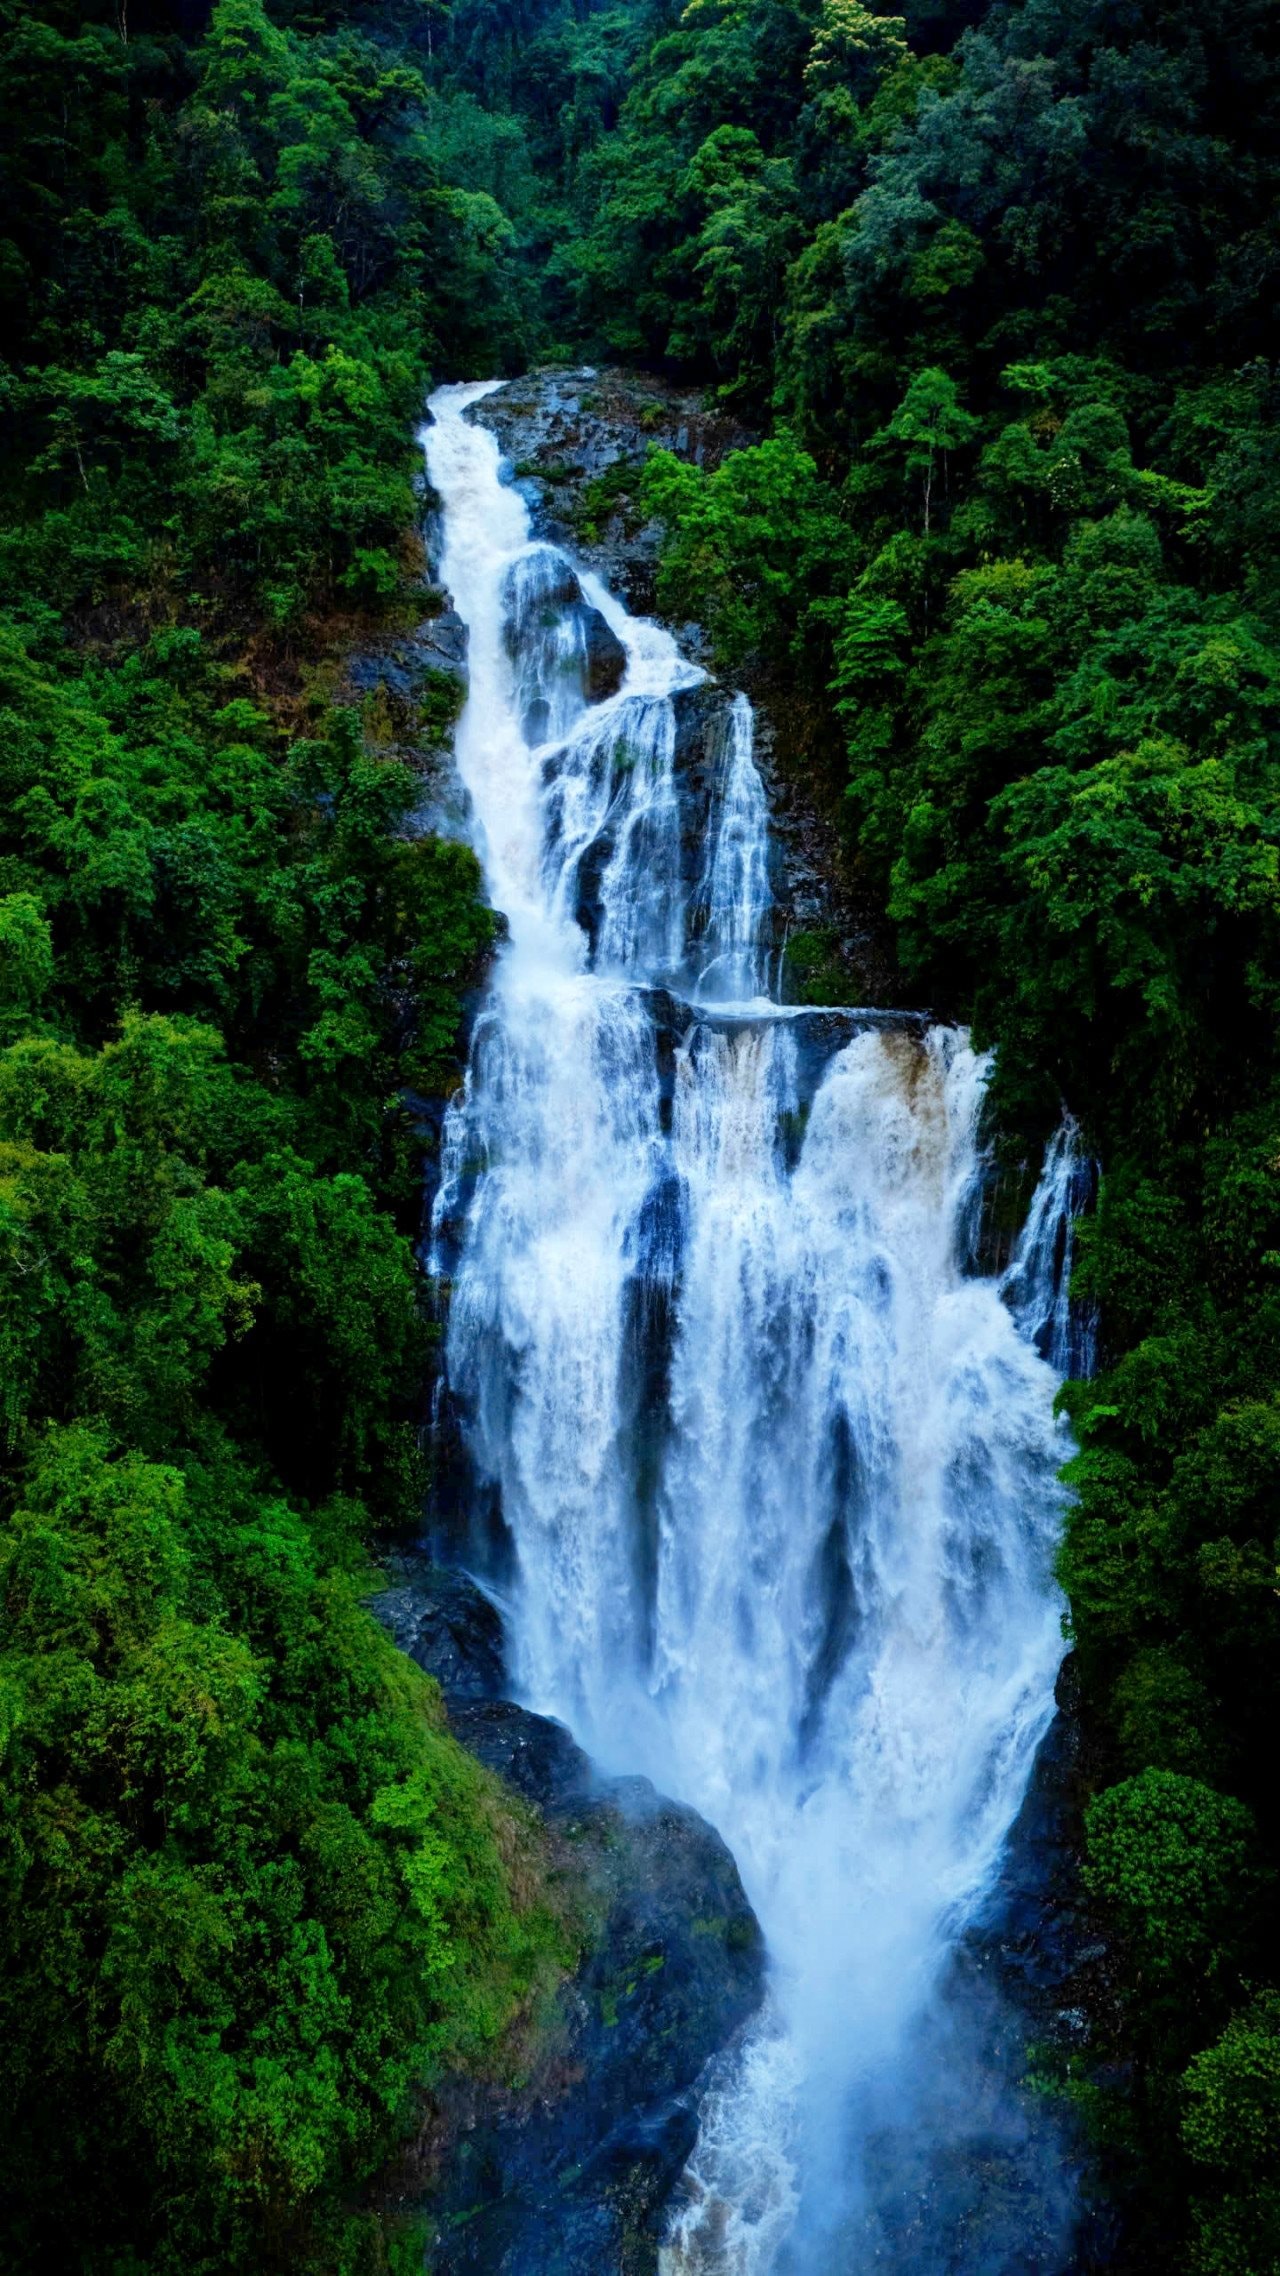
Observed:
{"x":537,"y":586}
{"x":406,"y":665}
{"x":569,"y":2174}
{"x":605,"y":658}
{"x":575,"y":2175}
{"x":442,"y":641}
{"x":821,"y":1029}
{"x":382,"y":668}
{"x":701,"y":712}
{"x":533,"y":1754}
{"x":541,"y":590}
{"x":1039,"y":1931}
{"x":420,"y":681}
{"x":448,"y":1626}
{"x":576,"y":443}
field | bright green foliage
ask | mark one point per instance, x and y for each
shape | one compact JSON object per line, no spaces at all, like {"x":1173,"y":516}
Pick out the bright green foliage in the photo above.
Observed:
{"x":1231,"y":2125}
{"x":184,"y":854}
{"x":220,"y":350}
{"x":254,"y":1896}
{"x":1232,"y":2116}
{"x":742,"y":212}
{"x":695,"y":211}
{"x":927,"y":426}
{"x":26,"y":955}
{"x":753,"y":547}
{"x":854,"y":48}
{"x":253,"y":1892}
{"x":222,"y":1985}
{"x":1170,"y":1857}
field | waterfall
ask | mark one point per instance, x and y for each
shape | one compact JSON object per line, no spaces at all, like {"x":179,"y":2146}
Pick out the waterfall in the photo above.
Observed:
{"x":735,"y":892}
{"x":775,"y":1465}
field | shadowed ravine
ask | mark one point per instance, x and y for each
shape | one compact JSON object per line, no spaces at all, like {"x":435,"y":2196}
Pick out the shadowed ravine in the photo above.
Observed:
{"x":775,"y":1463}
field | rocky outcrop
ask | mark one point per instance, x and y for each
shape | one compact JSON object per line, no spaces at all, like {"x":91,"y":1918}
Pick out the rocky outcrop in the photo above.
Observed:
{"x":444,"y":1623}
{"x":412,"y":686}
{"x":568,"y":2174}
{"x":576,"y":442}
{"x":557,"y":634}
{"x":604,"y":658}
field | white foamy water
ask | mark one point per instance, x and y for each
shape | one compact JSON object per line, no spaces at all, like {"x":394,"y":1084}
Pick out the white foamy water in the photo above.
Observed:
{"x":777,"y":1466}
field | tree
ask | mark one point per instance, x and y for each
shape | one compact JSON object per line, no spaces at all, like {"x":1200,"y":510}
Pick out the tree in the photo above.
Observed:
{"x":1173,"y":1860}
{"x":854,"y":48}
{"x":928,"y":424}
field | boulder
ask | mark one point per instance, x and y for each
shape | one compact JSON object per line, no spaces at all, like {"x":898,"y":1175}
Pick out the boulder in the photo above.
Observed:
{"x":569,"y":2174}
{"x":541,"y":595}
{"x":443,"y":642}
{"x":540,"y":585}
{"x":448,"y":1626}
{"x":605,"y":658}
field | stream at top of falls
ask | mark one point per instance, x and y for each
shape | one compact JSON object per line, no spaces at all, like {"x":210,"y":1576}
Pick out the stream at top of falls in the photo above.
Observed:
{"x":774,"y":1463}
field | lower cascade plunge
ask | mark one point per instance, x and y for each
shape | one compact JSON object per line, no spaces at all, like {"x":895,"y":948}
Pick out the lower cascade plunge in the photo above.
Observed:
{"x":774,"y":1463}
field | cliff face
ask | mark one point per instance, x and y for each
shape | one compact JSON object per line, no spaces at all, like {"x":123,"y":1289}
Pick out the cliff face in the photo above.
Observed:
{"x":565,"y":2168}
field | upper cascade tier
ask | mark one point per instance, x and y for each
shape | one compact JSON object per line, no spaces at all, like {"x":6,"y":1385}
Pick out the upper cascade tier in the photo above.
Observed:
{"x":621,"y":814}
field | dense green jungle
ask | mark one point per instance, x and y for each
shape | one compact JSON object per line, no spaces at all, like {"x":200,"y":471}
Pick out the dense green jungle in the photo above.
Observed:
{"x":995,"y":289}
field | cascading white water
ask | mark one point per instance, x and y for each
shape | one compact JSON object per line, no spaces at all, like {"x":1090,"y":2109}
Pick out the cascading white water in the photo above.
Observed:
{"x":777,"y":1466}
{"x":735,"y":892}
